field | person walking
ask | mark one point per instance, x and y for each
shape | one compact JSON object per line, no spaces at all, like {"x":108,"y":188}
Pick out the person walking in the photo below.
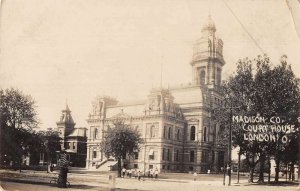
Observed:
{"x":139,"y":175}
{"x":156,"y":173}
{"x":195,"y":176}
{"x":130,"y":173}
{"x":123,"y":172}
{"x":151,"y":173}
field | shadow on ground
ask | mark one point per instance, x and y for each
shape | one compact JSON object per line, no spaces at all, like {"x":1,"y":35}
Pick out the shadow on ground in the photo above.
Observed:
{"x":77,"y":186}
{"x":280,"y":183}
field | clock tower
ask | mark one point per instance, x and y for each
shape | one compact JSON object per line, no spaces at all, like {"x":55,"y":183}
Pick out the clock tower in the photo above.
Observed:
{"x":207,"y":61}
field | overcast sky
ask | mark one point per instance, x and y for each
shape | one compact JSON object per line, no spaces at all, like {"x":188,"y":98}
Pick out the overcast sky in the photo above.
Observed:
{"x":73,"y":50}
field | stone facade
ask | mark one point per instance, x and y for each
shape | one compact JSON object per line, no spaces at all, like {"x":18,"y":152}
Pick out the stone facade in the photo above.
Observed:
{"x":176,"y":123}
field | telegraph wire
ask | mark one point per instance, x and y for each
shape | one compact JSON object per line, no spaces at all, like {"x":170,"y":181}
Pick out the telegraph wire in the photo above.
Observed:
{"x":245,"y":29}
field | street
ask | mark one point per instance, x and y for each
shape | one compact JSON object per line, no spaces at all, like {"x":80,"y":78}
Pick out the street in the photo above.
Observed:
{"x":28,"y":181}
{"x":146,"y":185}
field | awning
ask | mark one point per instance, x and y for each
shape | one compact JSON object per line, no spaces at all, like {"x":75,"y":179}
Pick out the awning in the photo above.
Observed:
{"x":151,"y":152}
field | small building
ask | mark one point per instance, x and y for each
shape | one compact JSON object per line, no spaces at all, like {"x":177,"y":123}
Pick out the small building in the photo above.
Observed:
{"x":73,"y":139}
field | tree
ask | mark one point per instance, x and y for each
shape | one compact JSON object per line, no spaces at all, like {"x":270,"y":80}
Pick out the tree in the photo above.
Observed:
{"x":17,"y":119}
{"x":120,"y":141}
{"x":277,"y":94}
{"x":50,"y":144}
{"x":266,"y":91}
{"x":17,"y":110}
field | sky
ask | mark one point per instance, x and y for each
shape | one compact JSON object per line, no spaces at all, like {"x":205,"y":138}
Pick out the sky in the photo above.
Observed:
{"x":70,"y":51}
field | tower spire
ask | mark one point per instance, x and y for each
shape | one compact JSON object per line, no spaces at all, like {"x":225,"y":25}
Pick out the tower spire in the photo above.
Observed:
{"x":161,"y":72}
{"x":67,"y":107}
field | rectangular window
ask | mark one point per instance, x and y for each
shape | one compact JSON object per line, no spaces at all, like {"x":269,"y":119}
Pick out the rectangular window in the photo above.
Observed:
{"x":204,"y":157}
{"x":192,"y":156}
{"x":136,"y":155}
{"x":177,"y":155}
{"x":151,"y":157}
{"x":163,"y":153}
{"x":205,"y":134}
{"x":168,"y":154}
{"x":94,"y":154}
{"x":74,"y":145}
{"x":151,"y":154}
{"x":135,"y":166}
{"x":192,"y":133}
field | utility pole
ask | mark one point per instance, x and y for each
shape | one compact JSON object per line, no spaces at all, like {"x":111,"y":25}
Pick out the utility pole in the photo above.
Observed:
{"x":229,"y":165}
{"x":239,"y":166}
{"x":230,"y":145}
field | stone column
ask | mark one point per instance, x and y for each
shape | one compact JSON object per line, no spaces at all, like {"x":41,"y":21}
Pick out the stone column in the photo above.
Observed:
{"x":87,"y":157}
{"x":216,"y":162}
{"x":198,"y":159}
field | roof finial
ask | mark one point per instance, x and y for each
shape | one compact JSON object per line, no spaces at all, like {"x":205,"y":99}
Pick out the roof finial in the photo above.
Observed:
{"x":209,"y":25}
{"x":67,"y":107}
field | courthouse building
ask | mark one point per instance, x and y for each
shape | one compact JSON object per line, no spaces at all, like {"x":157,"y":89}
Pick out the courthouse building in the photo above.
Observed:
{"x":176,"y":123}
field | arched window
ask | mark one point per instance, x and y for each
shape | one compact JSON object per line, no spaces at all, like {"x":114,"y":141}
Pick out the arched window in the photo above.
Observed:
{"x":95,"y":133}
{"x":152,"y":131}
{"x":178,"y":134}
{"x":165,"y":132}
{"x":170,"y":133}
{"x":192,"y":133}
{"x":204,"y":134}
{"x":218,"y":76}
{"x":202,"y":77}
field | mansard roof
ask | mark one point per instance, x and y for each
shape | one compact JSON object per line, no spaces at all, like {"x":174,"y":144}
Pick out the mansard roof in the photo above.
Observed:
{"x":78,"y":132}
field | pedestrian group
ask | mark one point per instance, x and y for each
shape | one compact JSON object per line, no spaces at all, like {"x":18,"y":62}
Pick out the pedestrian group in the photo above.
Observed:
{"x":137,"y":173}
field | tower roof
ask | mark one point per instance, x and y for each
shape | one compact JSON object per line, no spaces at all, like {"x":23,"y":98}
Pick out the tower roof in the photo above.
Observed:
{"x":67,"y":108}
{"x":209,"y":25}
{"x":66,"y":116}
